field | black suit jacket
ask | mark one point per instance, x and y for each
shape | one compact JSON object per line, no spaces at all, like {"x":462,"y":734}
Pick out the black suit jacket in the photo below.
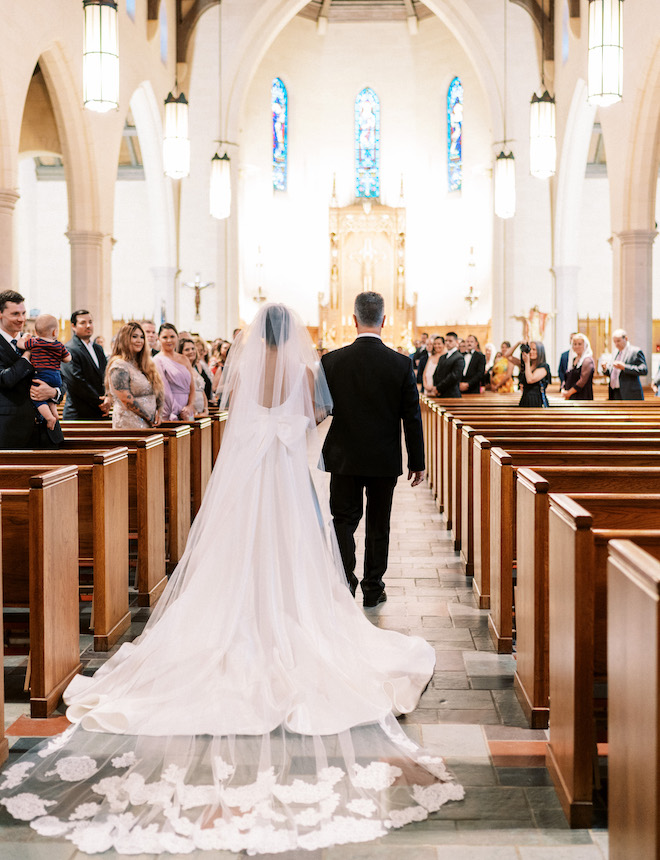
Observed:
{"x":373,"y":390}
{"x":84,"y":382}
{"x":474,"y":372}
{"x":449,"y":374}
{"x":18,"y":427}
{"x":423,"y":359}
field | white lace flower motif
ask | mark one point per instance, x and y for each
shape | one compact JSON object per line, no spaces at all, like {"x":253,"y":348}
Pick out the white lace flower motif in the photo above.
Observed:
{"x":48,"y":825}
{"x":399,"y":737}
{"x":26,"y":806}
{"x":362,"y":806}
{"x":221,"y":769}
{"x":378,"y":775}
{"x":74,"y":768}
{"x":435,"y":765}
{"x":401,"y":817}
{"x":173,"y":774}
{"x":331,"y":774}
{"x":84,"y":810}
{"x":56,"y":743}
{"x":128,"y":759}
{"x":303,"y":792}
{"x":432,"y":797}
{"x":15,"y":774}
{"x":93,"y":839}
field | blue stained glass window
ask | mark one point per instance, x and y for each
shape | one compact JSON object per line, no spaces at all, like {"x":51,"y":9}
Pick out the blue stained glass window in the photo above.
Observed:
{"x":280,"y":110}
{"x":130,"y":8}
{"x":162,"y":20}
{"x":367,"y":144}
{"x":455,"y":135}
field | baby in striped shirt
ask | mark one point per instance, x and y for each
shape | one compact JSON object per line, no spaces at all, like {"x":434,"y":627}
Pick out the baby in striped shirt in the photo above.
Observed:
{"x":46,"y":354}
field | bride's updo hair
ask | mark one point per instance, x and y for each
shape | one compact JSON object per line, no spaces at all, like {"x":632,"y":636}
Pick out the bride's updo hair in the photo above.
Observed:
{"x":277,"y":325}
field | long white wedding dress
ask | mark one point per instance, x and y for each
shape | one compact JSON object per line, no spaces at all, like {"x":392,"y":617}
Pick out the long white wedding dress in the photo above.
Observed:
{"x":256,"y":711}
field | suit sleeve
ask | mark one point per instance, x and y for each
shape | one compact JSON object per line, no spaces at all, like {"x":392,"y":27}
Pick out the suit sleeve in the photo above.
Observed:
{"x":475,"y":369}
{"x":638,"y":365}
{"x":453,"y":378}
{"x":412,"y":423}
{"x":75,"y":383}
{"x":11,"y":376}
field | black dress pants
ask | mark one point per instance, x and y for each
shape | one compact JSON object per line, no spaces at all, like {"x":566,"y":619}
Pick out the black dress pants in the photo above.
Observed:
{"x":614,"y":394}
{"x":346,"y":505}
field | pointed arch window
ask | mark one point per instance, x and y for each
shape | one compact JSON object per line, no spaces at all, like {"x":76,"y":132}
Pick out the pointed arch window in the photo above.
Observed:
{"x":279,"y":104}
{"x":367,"y":144}
{"x":455,"y":135}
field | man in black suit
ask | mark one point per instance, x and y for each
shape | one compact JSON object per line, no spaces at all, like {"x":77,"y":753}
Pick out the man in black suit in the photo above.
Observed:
{"x":563,"y":361}
{"x":475,"y":366}
{"x":449,"y":372}
{"x":373,"y":391}
{"x":84,"y":375}
{"x":420,"y":350}
{"x":20,"y":426}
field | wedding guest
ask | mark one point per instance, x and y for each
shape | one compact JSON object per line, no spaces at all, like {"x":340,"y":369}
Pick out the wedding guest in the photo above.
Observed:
{"x":565,"y":360}
{"x":201,"y":364}
{"x":475,"y":363}
{"x":99,"y":340}
{"x":177,"y":375}
{"x":656,"y":383}
{"x":84,"y":375}
{"x":133,"y":381}
{"x":46,"y":354}
{"x":501,"y":374}
{"x":449,"y":372}
{"x":420,"y":349}
{"x":423,"y":358}
{"x":149,"y":330}
{"x":535,"y":376}
{"x":437,"y":349}
{"x":462,"y":346}
{"x":578,"y":381}
{"x":223,"y":352}
{"x":625,"y":369}
{"x":187,"y":349}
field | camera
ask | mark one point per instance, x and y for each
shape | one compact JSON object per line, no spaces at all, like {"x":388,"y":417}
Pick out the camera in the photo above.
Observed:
{"x":525,"y":347}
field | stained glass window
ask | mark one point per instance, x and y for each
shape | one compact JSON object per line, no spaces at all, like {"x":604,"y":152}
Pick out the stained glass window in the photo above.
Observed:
{"x":455,"y":135}
{"x":280,"y":109}
{"x":367,"y":144}
{"x":130,"y":8}
{"x":162,"y":20}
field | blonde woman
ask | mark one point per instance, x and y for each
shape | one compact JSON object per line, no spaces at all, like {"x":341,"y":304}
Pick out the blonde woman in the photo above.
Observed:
{"x":132,"y":380}
{"x":578,"y":382}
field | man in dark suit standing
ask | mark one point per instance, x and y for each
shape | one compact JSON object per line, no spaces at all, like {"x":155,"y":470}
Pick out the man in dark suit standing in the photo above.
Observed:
{"x":84,"y":375}
{"x":20,"y":424}
{"x":563,"y":361}
{"x":475,"y":366}
{"x":373,"y":391}
{"x":628,"y":364}
{"x":449,"y":372}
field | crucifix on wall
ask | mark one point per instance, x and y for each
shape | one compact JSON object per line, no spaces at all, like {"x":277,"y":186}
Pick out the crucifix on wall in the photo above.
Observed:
{"x":198,"y":286}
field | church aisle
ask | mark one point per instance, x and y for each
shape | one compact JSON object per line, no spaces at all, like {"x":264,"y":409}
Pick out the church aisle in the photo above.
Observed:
{"x":469,"y":714}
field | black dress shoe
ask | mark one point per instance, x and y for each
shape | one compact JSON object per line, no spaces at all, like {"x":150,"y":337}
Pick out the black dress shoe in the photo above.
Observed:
{"x":374,"y":601}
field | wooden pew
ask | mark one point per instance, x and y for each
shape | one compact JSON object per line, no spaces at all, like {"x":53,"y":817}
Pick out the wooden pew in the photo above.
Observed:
{"x":580,"y":527}
{"x":40,"y":571}
{"x":102,"y":529}
{"x":219,"y":420}
{"x":481,"y":490}
{"x":201,"y":456}
{"x":146,"y":503}
{"x":633,"y":674}
{"x":594,"y":474}
{"x":177,"y":476}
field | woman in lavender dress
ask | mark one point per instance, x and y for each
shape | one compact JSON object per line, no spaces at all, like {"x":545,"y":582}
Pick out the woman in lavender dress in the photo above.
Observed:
{"x":177,"y":375}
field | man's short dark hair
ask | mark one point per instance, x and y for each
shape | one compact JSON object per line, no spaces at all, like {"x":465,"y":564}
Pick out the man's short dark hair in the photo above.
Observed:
{"x":369,"y":309}
{"x":425,"y":333}
{"x":452,"y":334}
{"x":10,"y":296}
{"x":76,"y":314}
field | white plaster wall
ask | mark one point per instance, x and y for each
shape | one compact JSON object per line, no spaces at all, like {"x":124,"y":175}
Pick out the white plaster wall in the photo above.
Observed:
{"x":132,"y":281}
{"x":323,"y":75}
{"x":595,"y":251}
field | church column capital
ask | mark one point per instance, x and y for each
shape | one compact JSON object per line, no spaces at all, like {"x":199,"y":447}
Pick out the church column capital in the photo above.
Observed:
{"x":636,"y":237}
{"x":85,"y":237}
{"x":8,"y":200}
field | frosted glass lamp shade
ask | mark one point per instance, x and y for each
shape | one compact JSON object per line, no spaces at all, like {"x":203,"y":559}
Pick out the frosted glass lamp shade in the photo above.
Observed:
{"x":605,"y":65}
{"x":220,"y":186}
{"x":100,"y":55}
{"x":542,"y":136}
{"x":176,"y":143}
{"x":505,"y":185}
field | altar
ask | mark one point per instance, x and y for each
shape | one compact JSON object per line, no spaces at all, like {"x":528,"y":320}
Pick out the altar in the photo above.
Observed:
{"x":367,"y":252}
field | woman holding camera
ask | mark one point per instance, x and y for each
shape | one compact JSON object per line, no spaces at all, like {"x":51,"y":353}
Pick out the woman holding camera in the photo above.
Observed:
{"x":535,"y":374}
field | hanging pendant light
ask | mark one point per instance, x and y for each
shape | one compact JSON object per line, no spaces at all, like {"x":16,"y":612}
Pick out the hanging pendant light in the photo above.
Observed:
{"x":605,"y":68}
{"x":220,"y":186}
{"x":542,"y":136}
{"x":176,"y":143}
{"x":100,"y":55}
{"x":505,"y":185}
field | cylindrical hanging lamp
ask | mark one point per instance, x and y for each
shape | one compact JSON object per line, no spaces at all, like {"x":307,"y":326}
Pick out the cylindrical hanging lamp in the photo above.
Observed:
{"x":176,"y":143}
{"x":505,"y":185}
{"x":100,"y":55}
{"x":605,"y":67}
{"x":542,"y":136}
{"x":220,"y":186}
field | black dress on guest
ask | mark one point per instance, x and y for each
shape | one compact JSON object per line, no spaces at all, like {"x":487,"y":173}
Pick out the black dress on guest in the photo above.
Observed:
{"x":581,"y":378}
{"x":533,"y":393}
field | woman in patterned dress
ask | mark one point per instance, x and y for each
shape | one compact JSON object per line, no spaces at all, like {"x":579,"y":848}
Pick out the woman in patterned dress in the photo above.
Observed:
{"x":133,"y":381}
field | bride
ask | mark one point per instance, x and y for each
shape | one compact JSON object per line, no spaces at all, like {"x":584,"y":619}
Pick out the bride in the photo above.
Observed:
{"x":256,"y":712}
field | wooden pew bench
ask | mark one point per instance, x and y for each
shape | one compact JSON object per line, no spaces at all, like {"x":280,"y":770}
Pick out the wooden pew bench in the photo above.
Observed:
{"x":594,"y":474}
{"x":146,"y":503}
{"x":633,"y":674}
{"x":201,"y":456}
{"x":581,"y":525}
{"x":39,"y":509}
{"x":102,"y":529}
{"x":219,"y":423}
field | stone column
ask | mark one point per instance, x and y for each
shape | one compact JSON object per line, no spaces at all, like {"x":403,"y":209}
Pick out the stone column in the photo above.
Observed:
{"x":8,"y":200}
{"x":87,"y":273}
{"x":500,"y":328}
{"x":633,"y":287}
{"x":227,"y":281}
{"x":566,"y":290}
{"x":164,"y":286}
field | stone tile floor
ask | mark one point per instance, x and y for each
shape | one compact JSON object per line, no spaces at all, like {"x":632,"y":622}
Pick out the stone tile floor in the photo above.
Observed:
{"x":469,"y":714}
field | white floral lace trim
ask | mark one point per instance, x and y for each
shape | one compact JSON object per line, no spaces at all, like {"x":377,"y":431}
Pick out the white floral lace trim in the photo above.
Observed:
{"x":432,"y":797}
{"x":15,"y":774}
{"x":222,"y":770}
{"x":85,"y":810}
{"x":362,"y":806}
{"x":378,"y":775}
{"x":56,"y":743}
{"x":74,"y":768}
{"x":401,"y":817}
{"x":26,"y":806}
{"x":126,"y":760}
